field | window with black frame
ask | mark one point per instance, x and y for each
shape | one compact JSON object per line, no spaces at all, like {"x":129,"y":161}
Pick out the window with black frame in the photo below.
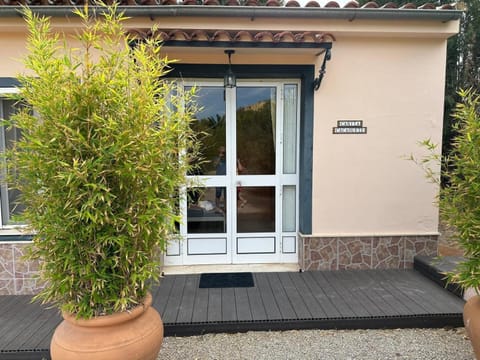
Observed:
{"x":9,"y":197}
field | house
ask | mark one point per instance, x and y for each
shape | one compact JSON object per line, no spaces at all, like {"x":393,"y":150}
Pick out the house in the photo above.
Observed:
{"x":310,"y":110}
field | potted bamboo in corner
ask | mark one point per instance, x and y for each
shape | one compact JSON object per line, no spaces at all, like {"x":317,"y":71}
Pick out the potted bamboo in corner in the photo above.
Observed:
{"x":99,"y":166}
{"x":460,"y":205}
{"x":459,"y":202}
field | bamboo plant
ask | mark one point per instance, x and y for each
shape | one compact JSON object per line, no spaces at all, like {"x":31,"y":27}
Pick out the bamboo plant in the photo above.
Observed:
{"x":101,"y":161}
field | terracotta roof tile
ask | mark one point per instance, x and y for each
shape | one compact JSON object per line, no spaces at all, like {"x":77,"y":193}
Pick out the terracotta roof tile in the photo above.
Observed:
{"x":408,"y":6}
{"x":332,"y":4}
{"x":237,"y":36}
{"x":352,"y":4}
{"x":447,"y":7}
{"x":292,"y":3}
{"x":389,"y":5}
{"x":312,"y":3}
{"x":428,"y":6}
{"x":370,"y":5}
{"x":179,"y":35}
{"x":273,"y":3}
{"x":243,"y":36}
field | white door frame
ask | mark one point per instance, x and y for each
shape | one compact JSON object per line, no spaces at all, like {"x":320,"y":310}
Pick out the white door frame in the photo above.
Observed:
{"x":232,"y":247}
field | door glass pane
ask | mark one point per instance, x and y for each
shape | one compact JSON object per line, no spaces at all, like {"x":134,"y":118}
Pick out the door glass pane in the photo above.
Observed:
{"x":255,"y":209}
{"x":206,"y":210}
{"x":290,"y":129}
{"x":8,"y":136}
{"x":210,"y":127}
{"x":288,"y":208}
{"x":256,"y":123}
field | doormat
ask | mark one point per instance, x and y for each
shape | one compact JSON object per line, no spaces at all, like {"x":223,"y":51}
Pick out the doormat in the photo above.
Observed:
{"x":226,"y":280}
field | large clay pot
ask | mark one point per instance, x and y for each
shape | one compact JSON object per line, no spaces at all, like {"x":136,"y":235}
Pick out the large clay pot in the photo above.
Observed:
{"x":132,"y":335}
{"x":471,"y":319}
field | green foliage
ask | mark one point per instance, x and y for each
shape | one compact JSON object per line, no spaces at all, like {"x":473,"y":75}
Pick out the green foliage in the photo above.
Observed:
{"x":101,"y":161}
{"x":460,"y":199}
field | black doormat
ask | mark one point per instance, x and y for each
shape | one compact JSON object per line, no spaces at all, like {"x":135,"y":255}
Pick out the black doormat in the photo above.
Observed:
{"x":226,"y":280}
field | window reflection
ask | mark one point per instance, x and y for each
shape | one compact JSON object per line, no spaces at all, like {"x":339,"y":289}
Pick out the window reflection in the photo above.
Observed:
{"x":256,"y":127}
{"x":206,"y":210}
{"x":256,"y":209}
{"x":9,"y":197}
{"x":209,"y":126}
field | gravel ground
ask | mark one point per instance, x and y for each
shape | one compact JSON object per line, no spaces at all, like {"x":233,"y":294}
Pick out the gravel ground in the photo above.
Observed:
{"x":424,"y":344}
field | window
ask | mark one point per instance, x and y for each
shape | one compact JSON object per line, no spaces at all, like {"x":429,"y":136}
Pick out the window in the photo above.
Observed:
{"x":9,"y":205}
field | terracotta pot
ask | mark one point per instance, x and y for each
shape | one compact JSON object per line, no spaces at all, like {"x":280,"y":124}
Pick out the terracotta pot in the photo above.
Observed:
{"x":133,"y":335}
{"x":471,"y":319}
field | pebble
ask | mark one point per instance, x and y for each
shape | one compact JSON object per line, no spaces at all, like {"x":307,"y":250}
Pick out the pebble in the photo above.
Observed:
{"x":395,"y":344}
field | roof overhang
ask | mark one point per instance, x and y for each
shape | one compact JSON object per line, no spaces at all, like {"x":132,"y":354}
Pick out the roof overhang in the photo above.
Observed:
{"x":252,"y":12}
{"x":241,"y":39}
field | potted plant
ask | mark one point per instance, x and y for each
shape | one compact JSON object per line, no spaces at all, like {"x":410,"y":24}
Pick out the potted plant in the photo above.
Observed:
{"x":460,"y":205}
{"x":102,"y":158}
{"x":459,"y":202}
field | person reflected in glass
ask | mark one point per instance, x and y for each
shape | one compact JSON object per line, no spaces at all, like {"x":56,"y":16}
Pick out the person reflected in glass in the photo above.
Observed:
{"x":220,"y":163}
{"x":241,"y":170}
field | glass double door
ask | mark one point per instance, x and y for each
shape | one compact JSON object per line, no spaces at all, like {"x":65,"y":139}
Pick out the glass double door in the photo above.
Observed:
{"x":241,"y":204}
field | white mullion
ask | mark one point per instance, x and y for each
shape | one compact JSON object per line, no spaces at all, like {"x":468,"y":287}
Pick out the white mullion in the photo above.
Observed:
{"x":231,"y":186}
{"x":279,"y":172}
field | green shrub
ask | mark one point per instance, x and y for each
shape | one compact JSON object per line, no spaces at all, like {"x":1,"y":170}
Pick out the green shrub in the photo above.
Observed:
{"x":460,"y":197}
{"x":101,"y":162}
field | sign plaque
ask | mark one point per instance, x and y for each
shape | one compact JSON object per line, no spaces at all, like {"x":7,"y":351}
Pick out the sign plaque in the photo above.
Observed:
{"x":349,"y":127}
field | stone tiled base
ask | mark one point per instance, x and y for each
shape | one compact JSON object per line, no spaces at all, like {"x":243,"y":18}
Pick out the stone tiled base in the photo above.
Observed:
{"x":370,"y":252}
{"x":17,"y":276}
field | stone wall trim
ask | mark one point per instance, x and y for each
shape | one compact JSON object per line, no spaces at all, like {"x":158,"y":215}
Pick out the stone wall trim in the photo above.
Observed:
{"x":365,"y":252}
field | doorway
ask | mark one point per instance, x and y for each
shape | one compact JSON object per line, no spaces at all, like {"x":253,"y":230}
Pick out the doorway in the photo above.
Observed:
{"x":241,"y":206}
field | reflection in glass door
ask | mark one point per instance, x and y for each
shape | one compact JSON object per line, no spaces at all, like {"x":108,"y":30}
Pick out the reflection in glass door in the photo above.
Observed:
{"x":242,"y":204}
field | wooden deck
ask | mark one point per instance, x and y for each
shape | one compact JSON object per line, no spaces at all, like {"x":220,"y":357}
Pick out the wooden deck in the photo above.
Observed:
{"x":278,"y":301}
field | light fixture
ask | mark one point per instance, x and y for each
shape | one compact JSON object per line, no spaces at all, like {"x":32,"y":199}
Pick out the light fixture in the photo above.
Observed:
{"x":317,"y":81}
{"x":230,"y":80}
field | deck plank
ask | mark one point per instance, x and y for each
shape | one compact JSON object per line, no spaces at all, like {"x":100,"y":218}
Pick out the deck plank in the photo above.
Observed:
{"x":171,"y":309}
{"x":319,"y":294}
{"x":242,"y":305}
{"x":12,"y":312}
{"x":268,"y":297}
{"x":351,"y":283}
{"x":383,"y":299}
{"x":277,"y":301}
{"x":314,"y":308}
{"x":414,"y":290}
{"x":388,"y":283}
{"x":281,"y":297}
{"x":200,"y":306}
{"x":18,"y":319}
{"x":345,"y":288}
{"x":442,"y":303}
{"x":257,"y":307}
{"x":229,"y":311}
{"x":295,"y":298}
{"x":42,"y":336}
{"x":24,"y":327}
{"x":324,"y":280}
{"x":186,"y":308}
{"x":163,"y":293}
{"x":383,"y":291}
{"x":214,"y":312}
